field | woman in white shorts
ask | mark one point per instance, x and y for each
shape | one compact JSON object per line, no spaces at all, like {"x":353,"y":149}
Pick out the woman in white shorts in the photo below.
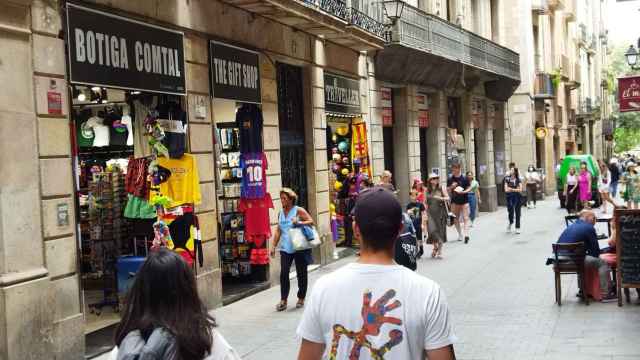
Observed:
{"x":604,"y":181}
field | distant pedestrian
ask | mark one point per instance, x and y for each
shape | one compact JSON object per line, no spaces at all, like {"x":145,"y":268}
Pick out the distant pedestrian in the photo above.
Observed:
{"x":416,"y":209}
{"x":615,"y":177}
{"x":513,"y":190}
{"x":164,"y":318}
{"x":458,"y":187}
{"x":604,"y":183}
{"x":437,"y":215}
{"x":532,"y":179}
{"x":375,"y":308}
{"x":386,"y":181}
{"x":571,"y":190}
{"x":291,"y":216}
{"x":474,"y":197}
{"x":584,"y":186}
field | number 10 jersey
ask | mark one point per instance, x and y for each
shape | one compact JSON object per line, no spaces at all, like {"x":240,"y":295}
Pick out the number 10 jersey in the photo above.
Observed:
{"x":254,"y":175}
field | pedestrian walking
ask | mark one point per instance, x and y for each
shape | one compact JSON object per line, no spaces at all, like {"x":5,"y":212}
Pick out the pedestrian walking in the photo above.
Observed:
{"x":474,"y":197}
{"x":458,"y":187}
{"x":633,"y":187}
{"x":291,"y":216}
{"x":375,"y":308}
{"x":437,"y":215}
{"x":532,"y":179}
{"x":386,"y":181}
{"x":604,"y":182}
{"x":584,"y":186}
{"x":512,"y":189}
{"x":417,"y":212}
{"x":615,"y":177}
{"x":559,"y":185}
{"x":571,"y":190}
{"x":406,"y":248}
{"x":164,"y":318}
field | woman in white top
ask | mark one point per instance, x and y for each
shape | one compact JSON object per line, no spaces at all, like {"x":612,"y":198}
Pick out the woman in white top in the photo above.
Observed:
{"x":571,"y":190}
{"x":164,"y":318}
{"x":532,"y":178}
{"x":604,"y":182}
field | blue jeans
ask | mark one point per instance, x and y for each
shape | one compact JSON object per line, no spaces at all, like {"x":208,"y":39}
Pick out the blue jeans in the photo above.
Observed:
{"x":613,"y":188}
{"x":473,"y":205}
{"x":513,"y":205}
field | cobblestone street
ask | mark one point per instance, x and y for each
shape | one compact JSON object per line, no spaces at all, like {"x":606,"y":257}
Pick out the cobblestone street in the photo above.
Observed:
{"x":501,"y":297}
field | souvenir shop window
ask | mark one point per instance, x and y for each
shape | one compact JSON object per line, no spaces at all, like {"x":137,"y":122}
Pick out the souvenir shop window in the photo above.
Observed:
{"x":348,"y":156}
{"x":242,"y":196}
{"x":136,"y":188}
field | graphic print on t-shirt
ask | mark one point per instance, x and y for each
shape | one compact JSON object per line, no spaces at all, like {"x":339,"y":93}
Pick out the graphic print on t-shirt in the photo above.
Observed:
{"x":373,"y":317}
{"x":254,"y":175}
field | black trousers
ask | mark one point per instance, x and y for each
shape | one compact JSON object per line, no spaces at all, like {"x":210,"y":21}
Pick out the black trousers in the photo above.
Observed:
{"x":514,"y":206}
{"x":302,"y":261}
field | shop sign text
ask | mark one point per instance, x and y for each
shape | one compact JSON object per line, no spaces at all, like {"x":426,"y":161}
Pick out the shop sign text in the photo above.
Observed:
{"x":341,"y":94}
{"x":235,"y":73}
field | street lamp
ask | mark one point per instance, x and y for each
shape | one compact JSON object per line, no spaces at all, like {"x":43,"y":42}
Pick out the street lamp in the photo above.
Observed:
{"x":632,"y":57}
{"x":393,"y":9}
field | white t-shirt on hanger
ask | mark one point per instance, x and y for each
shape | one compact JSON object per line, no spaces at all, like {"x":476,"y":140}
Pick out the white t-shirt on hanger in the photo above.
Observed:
{"x":100,"y":131}
{"x":126,"y":119}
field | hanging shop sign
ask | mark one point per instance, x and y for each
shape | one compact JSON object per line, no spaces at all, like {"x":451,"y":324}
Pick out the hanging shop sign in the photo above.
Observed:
{"x":629,"y":93}
{"x":541,"y":132}
{"x":341,"y":95}
{"x":422,"y":102}
{"x":113,"y":51}
{"x":235,"y":73}
{"x":386,"y":105}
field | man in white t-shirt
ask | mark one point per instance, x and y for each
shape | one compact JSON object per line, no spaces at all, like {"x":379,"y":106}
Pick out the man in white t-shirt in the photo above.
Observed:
{"x":374,"y":308}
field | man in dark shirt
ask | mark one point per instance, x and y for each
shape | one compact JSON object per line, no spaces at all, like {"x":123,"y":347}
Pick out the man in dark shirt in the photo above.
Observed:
{"x":459,"y":187}
{"x":583,"y":230}
{"x":615,"y":177}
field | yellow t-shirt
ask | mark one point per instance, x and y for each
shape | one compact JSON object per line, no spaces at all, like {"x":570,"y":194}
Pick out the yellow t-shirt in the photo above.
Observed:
{"x":183,"y":186}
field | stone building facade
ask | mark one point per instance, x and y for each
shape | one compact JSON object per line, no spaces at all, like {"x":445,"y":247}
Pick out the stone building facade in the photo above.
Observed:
{"x":424,"y":108}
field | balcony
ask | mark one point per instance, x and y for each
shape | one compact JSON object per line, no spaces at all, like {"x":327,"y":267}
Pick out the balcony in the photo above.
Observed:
{"x":572,"y":119}
{"x":430,"y":51}
{"x":585,"y":107}
{"x":540,"y":6}
{"x":360,"y":27}
{"x":543,"y":87}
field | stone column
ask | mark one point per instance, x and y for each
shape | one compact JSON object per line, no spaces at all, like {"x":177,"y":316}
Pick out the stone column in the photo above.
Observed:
{"x":486,"y":174}
{"x":200,"y":129}
{"x":401,"y":155}
{"x":40,"y":314}
{"x":437,"y":134}
{"x":375,"y":119}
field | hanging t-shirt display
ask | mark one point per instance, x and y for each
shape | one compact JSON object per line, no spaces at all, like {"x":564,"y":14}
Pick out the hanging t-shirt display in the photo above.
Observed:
{"x":254,"y":175}
{"x":100,"y":131}
{"x":256,"y":218}
{"x":84,"y":133}
{"x":249,"y":122}
{"x":183,"y":186}
{"x":117,"y":130}
{"x":173,"y":120}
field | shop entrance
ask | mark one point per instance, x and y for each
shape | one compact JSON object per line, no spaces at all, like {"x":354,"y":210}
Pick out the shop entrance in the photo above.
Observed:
{"x":291,"y":123}
{"x":424,"y":154}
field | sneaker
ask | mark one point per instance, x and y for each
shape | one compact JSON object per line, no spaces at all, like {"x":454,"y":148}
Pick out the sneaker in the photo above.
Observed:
{"x":609,"y":298}
{"x":466,"y":239}
{"x":509,"y":228}
{"x":459,"y":237}
{"x":517,"y":230}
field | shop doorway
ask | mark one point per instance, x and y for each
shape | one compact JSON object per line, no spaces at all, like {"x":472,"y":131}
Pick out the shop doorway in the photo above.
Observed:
{"x":387,"y":138}
{"x":424,"y":154}
{"x":291,"y":122}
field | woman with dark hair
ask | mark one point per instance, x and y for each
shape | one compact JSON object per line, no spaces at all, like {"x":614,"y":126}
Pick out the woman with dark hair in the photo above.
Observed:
{"x":584,"y":186}
{"x":513,"y":188}
{"x":164,"y":318}
{"x":437,"y":214}
{"x":291,"y":216}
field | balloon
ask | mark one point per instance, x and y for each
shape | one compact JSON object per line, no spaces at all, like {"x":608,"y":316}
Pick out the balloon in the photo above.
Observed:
{"x":343,"y":130}
{"x":334,"y":137}
{"x":345,"y":160}
{"x":332,"y":208}
{"x":337,"y":185}
{"x":335,"y":168}
{"x":342,"y":146}
{"x":345,"y":171}
{"x":336,"y":157}
{"x":334,"y":150}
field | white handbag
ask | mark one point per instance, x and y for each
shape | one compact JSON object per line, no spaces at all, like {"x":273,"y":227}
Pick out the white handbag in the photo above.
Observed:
{"x":316,"y":241}
{"x":298,"y":240}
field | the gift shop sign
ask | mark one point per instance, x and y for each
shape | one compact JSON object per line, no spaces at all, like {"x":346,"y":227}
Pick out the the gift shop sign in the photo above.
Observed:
{"x":629,"y":93}
{"x":341,"y":95}
{"x":235,"y":73}
{"x":113,"y":51}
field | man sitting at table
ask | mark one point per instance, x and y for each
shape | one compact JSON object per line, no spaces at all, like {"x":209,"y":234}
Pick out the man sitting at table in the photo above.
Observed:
{"x":583,"y":230}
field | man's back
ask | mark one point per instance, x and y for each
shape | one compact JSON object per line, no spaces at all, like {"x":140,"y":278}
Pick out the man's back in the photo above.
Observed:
{"x":581,"y":231}
{"x":386,"y":310}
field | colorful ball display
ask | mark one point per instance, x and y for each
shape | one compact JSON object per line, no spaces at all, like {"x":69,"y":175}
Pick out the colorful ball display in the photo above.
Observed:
{"x":336,"y":157}
{"x":335,"y":168}
{"x":342,"y":131}
{"x":345,"y":171}
{"x":337,"y":185}
{"x":332,"y":208}
{"x":342,"y":146}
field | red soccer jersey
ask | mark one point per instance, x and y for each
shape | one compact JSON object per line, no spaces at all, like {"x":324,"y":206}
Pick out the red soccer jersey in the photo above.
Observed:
{"x":256,"y":216}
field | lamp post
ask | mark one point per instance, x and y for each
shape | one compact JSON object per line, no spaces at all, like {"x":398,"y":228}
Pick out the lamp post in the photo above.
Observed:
{"x":393,"y":9}
{"x":632,"y":57}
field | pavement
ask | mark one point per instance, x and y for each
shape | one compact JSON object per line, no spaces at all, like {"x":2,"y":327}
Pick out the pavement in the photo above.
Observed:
{"x":501,"y":298}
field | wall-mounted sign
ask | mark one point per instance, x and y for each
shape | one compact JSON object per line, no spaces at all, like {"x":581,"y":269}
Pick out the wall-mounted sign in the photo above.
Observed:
{"x":54,"y":98}
{"x":341,"y":95}
{"x":113,"y":51}
{"x":629,"y":93}
{"x":235,"y":73}
{"x":387,"y":117}
{"x":541,"y":132}
{"x":422,"y":104}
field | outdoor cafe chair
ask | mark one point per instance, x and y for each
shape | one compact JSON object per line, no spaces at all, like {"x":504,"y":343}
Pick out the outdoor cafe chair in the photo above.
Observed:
{"x":569,"y":259}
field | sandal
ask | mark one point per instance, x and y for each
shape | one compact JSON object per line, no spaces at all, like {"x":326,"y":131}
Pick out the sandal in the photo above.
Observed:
{"x":300,"y":304}
{"x":282,"y":306}
{"x":434,"y":253}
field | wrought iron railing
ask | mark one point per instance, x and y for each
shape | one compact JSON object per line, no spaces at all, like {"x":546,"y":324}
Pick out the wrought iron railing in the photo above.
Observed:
{"x":368,"y":15}
{"x":337,"y":8}
{"x":585,"y":106}
{"x":423,"y":31}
